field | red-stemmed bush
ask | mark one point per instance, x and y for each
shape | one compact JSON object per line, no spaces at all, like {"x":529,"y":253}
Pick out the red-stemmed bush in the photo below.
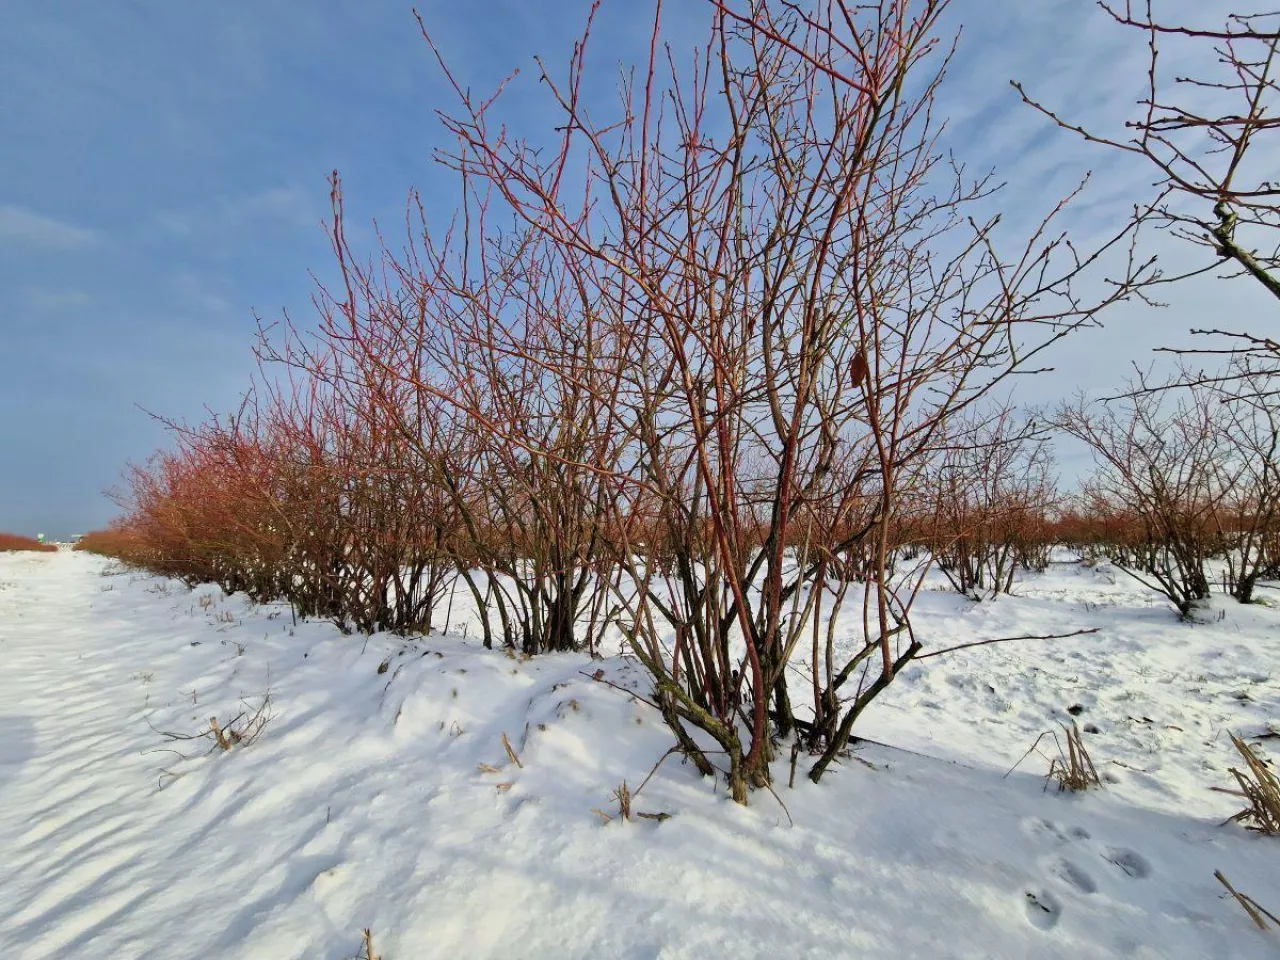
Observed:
{"x":12,"y":542}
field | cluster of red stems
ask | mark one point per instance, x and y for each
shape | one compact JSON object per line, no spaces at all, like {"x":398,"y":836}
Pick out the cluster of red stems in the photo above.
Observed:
{"x":697,"y":376}
{"x":12,"y":542}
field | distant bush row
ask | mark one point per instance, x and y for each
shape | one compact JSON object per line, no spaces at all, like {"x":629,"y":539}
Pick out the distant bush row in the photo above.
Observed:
{"x":10,"y":542}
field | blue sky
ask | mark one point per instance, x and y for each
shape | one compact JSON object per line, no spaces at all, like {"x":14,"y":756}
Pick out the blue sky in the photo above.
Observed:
{"x":163,"y":176}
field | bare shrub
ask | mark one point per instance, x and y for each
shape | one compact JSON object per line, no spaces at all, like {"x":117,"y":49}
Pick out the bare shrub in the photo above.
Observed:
{"x":682,"y":371}
{"x":521,"y":534}
{"x":302,"y":496}
{"x":783,"y":310}
{"x":990,"y":495}
{"x":1185,"y":476}
{"x":1249,"y":476}
{"x":12,"y":543}
{"x":371,"y":526}
{"x":1157,"y":461}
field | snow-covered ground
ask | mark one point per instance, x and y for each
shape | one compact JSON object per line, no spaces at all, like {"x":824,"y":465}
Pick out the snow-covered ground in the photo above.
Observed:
{"x":380,"y":793}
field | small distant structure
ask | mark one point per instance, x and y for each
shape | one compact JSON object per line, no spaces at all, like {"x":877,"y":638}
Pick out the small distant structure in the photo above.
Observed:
{"x":40,"y":538}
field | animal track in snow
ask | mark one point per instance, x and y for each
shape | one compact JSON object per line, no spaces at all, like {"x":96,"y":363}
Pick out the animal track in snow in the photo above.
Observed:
{"x":1067,"y":873}
{"x":1043,"y":909}
{"x":1132,"y":863}
{"x":1075,"y":875}
{"x":1038,"y":827}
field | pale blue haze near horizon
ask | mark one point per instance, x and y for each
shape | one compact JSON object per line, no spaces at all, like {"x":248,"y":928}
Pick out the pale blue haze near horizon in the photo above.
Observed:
{"x":163,"y":177}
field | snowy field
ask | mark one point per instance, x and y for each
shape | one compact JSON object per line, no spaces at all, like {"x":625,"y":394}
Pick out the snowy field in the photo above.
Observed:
{"x":380,"y":794}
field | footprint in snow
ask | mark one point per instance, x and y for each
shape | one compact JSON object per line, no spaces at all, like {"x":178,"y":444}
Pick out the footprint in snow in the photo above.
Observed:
{"x":1037,"y":827}
{"x":1132,"y":863}
{"x":1043,"y":909}
{"x":1075,"y":876}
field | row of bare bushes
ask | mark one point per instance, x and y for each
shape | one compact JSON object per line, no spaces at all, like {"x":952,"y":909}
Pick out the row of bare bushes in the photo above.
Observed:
{"x":13,"y":542}
{"x":286,"y":501}
{"x":1184,"y":496}
{"x":704,"y":371}
{"x":220,"y":509}
{"x":1184,"y":477}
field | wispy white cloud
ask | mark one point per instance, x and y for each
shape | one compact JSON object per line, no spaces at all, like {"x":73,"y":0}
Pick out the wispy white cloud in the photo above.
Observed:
{"x":279,"y":207}
{"x":44,"y":300}
{"x":21,"y":227}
